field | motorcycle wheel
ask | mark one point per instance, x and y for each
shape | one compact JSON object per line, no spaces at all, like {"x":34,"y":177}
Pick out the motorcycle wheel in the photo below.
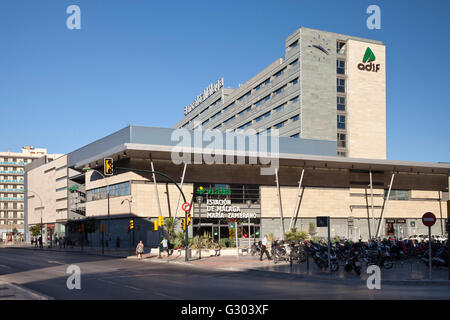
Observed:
{"x":275,"y":259}
{"x":334,"y":266}
{"x":387,"y":264}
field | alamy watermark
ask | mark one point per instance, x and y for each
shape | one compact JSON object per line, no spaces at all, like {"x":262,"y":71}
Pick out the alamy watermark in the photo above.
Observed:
{"x":374,"y":20}
{"x":74,"y":20}
{"x":74,"y":280}
{"x":217,"y":147}
{"x":374,"y":280}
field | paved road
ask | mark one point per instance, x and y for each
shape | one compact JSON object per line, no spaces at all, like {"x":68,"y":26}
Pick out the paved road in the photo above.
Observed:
{"x":112,"y":278}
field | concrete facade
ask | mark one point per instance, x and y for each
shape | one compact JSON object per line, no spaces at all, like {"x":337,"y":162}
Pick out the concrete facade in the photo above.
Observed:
{"x":297,"y":95}
{"x":12,"y":171}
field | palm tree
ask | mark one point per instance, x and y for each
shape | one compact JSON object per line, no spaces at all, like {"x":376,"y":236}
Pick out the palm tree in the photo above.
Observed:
{"x":170,"y":225}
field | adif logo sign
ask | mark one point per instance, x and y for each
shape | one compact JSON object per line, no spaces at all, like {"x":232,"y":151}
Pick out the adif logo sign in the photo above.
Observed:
{"x":367,"y":64}
{"x":220,"y":191}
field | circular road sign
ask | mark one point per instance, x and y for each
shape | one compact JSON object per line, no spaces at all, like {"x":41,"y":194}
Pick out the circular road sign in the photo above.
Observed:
{"x":186,"y":207}
{"x":428,"y":219}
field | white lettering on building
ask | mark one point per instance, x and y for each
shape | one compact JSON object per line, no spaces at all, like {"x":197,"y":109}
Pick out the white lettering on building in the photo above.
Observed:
{"x":211,"y":89}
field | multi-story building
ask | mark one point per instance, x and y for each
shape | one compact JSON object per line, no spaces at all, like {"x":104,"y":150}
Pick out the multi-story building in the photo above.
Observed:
{"x":12,"y":187}
{"x":328,"y":86}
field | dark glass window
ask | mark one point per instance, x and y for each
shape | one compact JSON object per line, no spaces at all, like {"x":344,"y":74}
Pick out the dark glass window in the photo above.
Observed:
{"x":340,"y":66}
{"x":341,"y":103}
{"x":341,"y":122}
{"x":340,"y":85}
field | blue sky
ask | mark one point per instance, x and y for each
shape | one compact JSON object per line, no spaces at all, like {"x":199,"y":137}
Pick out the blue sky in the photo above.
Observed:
{"x":140,"y":62}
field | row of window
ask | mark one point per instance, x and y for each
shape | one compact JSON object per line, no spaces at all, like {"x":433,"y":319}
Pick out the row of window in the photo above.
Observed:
{"x":246,"y":95}
{"x":265,"y":115}
{"x":115,"y":190}
{"x":281,"y":124}
{"x":12,"y":205}
{"x":5,"y":179}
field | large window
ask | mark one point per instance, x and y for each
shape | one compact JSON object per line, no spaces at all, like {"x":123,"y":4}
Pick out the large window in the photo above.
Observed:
{"x":340,"y":66}
{"x":341,"y":122}
{"x":397,"y":195}
{"x":115,"y":190}
{"x":280,"y":90}
{"x":341,"y":103}
{"x":262,"y":100}
{"x":341,"y":140}
{"x":265,"y":115}
{"x":279,"y":73}
{"x":340,"y":85}
{"x":245,"y":96}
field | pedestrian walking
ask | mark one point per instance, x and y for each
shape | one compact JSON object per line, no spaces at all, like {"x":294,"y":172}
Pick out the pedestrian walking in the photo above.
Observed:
{"x":140,"y":249}
{"x":264,"y":248}
{"x":165,"y":245}
{"x":40,"y":242}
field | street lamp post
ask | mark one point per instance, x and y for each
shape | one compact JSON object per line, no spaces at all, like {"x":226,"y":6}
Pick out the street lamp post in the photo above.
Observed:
{"x":129,"y":205}
{"x":249,"y":204}
{"x":199,"y":201}
{"x":107,"y":193}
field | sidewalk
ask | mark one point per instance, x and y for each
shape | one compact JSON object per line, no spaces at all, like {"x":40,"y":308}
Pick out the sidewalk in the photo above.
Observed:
{"x":108,"y":252}
{"x":10,"y":291}
{"x":406,"y":273}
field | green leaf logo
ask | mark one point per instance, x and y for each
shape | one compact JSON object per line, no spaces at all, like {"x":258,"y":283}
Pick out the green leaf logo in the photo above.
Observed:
{"x":368,"y":56}
{"x":201,"y":190}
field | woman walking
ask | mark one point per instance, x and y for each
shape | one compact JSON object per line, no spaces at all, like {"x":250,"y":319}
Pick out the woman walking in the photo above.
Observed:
{"x":140,"y":249}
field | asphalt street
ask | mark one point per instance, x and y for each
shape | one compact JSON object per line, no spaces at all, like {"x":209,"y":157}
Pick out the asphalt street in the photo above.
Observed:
{"x":113,"y":278}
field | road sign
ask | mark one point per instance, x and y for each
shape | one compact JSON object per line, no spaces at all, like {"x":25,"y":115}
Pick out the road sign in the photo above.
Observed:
{"x":322,"y":221}
{"x":428,"y":219}
{"x":186,"y":207}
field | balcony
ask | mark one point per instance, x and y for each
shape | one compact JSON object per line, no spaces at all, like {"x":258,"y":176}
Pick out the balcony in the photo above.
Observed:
{"x":13,"y":163}
{"x":12,"y":190}
{"x":12,"y":181}
{"x":11,"y":172}
{"x":11,"y":199}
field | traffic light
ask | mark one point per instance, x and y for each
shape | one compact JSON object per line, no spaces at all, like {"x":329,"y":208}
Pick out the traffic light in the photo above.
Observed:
{"x":188,"y":219}
{"x":155,"y":224}
{"x":160,"y":220}
{"x":183,"y":223}
{"x":131,"y":224}
{"x":108,"y":165}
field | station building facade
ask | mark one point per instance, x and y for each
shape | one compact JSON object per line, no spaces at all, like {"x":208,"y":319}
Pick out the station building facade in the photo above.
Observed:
{"x":362,"y":196}
{"x":328,"y":86}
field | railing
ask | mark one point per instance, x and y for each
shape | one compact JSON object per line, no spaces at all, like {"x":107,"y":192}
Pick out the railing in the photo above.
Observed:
{"x":11,"y":199}
{"x":13,"y":163}
{"x":12,"y":190}
{"x":11,"y":181}
{"x":12,"y":172}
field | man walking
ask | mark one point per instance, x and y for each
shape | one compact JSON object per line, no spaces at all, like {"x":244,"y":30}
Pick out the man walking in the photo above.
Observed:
{"x":264,"y":249}
{"x":165,"y":246}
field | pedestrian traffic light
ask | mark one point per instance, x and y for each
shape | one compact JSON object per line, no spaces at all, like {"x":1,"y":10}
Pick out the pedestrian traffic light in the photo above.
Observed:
{"x":108,"y":165}
{"x":183,"y":223}
{"x":131,"y":224}
{"x":155,"y":224}
{"x":160,"y":220}
{"x":188,"y":219}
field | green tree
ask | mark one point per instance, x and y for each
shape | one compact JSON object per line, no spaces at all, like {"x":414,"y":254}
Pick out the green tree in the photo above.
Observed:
{"x":170,"y":224}
{"x":35,"y":230}
{"x":14,"y":231}
{"x":312,"y":229}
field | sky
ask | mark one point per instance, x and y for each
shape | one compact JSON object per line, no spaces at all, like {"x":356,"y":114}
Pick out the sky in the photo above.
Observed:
{"x":140,"y":62}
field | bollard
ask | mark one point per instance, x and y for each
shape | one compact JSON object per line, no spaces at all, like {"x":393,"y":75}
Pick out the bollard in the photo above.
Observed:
{"x":307,"y":263}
